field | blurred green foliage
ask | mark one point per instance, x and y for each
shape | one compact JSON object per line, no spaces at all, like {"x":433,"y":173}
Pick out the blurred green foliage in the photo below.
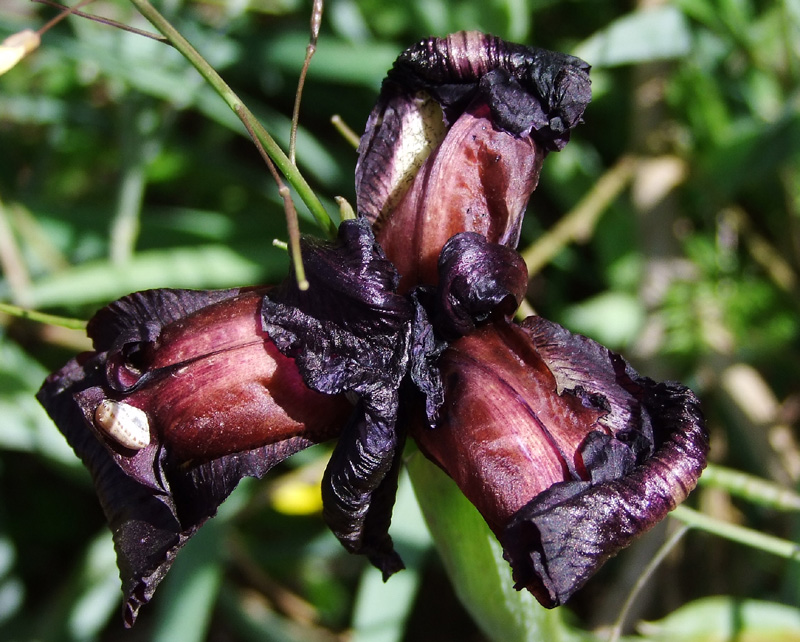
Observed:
{"x":120,"y":170}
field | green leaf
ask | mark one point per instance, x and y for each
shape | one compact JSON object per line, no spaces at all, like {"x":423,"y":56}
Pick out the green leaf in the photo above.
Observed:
{"x":201,"y":266}
{"x":186,"y":601}
{"x":474,"y":561}
{"x":723,"y":619}
{"x":641,"y":36}
{"x":612,"y":318}
{"x":343,"y":62}
{"x":26,"y":426}
{"x":96,"y":597}
{"x":382,"y":608}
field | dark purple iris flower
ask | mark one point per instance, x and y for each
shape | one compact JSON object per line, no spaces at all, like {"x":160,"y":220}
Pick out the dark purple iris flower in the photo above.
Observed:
{"x":566,"y":451}
{"x":405,"y":330}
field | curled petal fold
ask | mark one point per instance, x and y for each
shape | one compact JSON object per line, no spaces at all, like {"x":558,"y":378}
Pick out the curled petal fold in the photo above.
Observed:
{"x":477,"y":279}
{"x":349,"y":333}
{"x":557,"y":541}
{"x":531,"y":90}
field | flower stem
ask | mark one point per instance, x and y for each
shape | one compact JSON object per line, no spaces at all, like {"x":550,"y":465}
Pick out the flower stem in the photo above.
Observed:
{"x":41,"y":317}
{"x":579,"y":223}
{"x":290,"y":171}
{"x":740,"y":534}
{"x":750,"y":488}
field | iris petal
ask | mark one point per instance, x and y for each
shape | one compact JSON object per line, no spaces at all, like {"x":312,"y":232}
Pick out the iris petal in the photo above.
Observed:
{"x":349,"y":333}
{"x":156,"y":353}
{"x":558,"y":541}
{"x":567,"y":452}
{"x":456,"y":142}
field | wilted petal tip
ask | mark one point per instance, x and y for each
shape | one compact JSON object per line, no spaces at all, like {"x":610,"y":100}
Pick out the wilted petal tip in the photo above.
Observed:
{"x":559,"y":540}
{"x":456,"y":142}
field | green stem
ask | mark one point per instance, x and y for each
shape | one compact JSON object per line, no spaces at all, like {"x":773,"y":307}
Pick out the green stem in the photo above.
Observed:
{"x":41,"y":317}
{"x":740,"y":534}
{"x":579,"y":224}
{"x":750,"y":488}
{"x":644,"y":576}
{"x":292,"y":174}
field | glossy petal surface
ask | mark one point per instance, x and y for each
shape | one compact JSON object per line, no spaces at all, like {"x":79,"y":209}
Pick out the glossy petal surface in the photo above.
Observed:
{"x":565,"y":450}
{"x":220,"y":403}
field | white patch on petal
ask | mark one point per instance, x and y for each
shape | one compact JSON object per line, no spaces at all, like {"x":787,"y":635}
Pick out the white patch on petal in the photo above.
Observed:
{"x":125,"y":424}
{"x":423,"y":129}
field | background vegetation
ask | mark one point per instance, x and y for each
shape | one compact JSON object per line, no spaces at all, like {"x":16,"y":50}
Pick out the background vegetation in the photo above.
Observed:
{"x":120,"y":170}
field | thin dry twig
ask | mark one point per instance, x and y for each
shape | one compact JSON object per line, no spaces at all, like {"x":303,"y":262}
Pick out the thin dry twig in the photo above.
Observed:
{"x":765,"y":254}
{"x":316,"y":20}
{"x":292,"y":224}
{"x":346,"y":131}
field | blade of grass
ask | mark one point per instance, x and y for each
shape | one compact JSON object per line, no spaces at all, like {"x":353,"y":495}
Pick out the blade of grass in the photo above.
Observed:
{"x":51,"y":319}
{"x":750,"y":488}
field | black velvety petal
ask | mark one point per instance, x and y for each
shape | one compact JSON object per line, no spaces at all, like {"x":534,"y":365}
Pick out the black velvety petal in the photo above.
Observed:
{"x":529,"y":90}
{"x":153,"y":501}
{"x":141,"y":316}
{"x":564,"y":534}
{"x":360,"y":485}
{"x":150,"y":529}
{"x":349,"y":332}
{"x":425,"y":349}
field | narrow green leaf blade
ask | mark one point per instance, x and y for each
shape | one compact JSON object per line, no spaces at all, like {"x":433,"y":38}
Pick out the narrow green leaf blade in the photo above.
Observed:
{"x":646,"y":35}
{"x":474,"y":561}
{"x":722,"y":618}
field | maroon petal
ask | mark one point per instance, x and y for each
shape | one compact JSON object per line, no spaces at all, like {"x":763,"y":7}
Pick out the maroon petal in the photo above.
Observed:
{"x":206,"y":395}
{"x":505,"y":435}
{"x":478,"y":180}
{"x":561,"y":537}
{"x":566,"y":451}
